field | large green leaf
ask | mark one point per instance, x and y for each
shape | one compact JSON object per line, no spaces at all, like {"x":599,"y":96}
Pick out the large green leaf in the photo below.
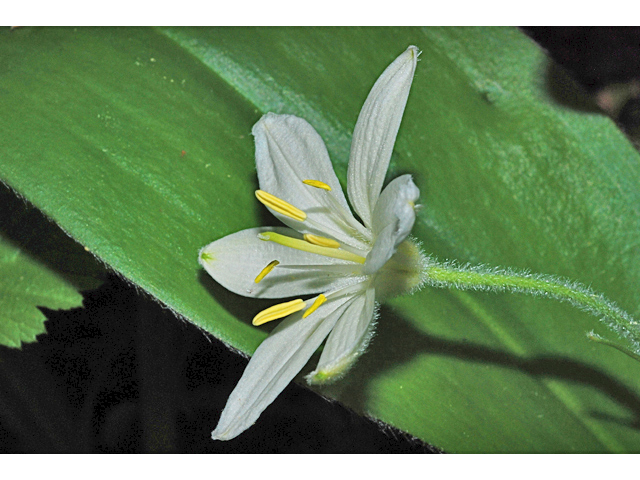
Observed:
{"x":137,"y":143}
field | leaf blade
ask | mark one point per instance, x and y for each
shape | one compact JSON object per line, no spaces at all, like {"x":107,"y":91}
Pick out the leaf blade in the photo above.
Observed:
{"x":508,"y":182}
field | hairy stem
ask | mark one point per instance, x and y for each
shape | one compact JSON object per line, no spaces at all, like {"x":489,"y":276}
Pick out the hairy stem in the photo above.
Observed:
{"x":483,"y":278}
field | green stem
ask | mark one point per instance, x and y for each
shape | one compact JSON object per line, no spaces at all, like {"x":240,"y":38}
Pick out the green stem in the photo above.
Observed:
{"x":597,"y":338}
{"x":482,"y":278}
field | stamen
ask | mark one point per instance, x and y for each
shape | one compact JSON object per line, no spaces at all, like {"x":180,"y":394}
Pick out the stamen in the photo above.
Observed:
{"x":344,"y":216}
{"x":319,"y":301}
{"x":317,"y":184}
{"x":278,"y":311}
{"x":266,"y":270}
{"x":280,"y":206}
{"x":322,"y":241}
{"x":311,"y":248}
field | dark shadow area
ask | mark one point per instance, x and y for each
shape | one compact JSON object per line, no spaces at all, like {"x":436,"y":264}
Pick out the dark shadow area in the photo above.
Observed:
{"x":565,"y":90}
{"x":632,"y":423}
{"x":27,"y":228}
{"x":242,"y":308}
{"x":595,"y":56}
{"x":386,"y":353}
{"x":124,"y":375}
{"x":595,"y":69}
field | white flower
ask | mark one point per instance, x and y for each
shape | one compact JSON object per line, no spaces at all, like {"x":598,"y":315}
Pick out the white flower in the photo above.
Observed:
{"x":325,"y":250}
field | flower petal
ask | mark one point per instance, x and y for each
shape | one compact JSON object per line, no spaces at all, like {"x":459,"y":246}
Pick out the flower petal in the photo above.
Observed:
{"x":275,"y":363}
{"x":393,"y":220}
{"x":400,"y":192}
{"x":236,"y":260}
{"x":347,"y":341}
{"x":288,"y":151}
{"x":375,"y":133}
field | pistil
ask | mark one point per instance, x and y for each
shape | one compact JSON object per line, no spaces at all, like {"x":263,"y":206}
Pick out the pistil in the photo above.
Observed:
{"x":311,"y":248}
{"x":344,"y":216}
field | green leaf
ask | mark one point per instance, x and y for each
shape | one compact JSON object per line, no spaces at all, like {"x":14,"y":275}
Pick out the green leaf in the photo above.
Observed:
{"x":137,"y":142}
{"x":39,"y":267}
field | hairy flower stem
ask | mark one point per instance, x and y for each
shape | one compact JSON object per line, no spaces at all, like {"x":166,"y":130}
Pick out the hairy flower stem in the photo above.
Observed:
{"x":482,"y":278}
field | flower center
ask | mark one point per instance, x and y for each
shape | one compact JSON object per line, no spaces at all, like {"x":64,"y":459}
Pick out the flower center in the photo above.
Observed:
{"x":311,"y":243}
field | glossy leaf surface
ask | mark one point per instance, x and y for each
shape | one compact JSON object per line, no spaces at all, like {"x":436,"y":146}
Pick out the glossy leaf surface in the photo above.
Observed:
{"x":137,"y":142}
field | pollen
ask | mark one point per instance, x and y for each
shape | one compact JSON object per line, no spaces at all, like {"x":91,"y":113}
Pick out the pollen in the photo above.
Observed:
{"x":322,"y":241}
{"x":278,"y":311}
{"x":266,"y":270}
{"x":317,"y":184}
{"x":319,"y":301}
{"x":280,"y":206}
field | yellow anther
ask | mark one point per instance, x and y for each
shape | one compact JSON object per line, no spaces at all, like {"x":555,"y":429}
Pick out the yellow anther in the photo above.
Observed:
{"x":319,"y":301}
{"x":322,"y":241}
{"x":266,"y":270}
{"x":317,"y":184}
{"x":280,"y":206}
{"x":278,"y":311}
{"x":311,"y":248}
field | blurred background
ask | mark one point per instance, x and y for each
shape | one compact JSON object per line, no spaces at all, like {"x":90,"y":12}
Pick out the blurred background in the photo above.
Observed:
{"x":123,"y":374}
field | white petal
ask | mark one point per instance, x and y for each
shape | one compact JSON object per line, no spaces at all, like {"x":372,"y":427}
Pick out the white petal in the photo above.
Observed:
{"x":393,"y":220}
{"x":275,"y":363}
{"x":400,"y":192}
{"x":375,"y":133}
{"x":288,"y":151}
{"x":348,"y":339}
{"x":236,"y":260}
